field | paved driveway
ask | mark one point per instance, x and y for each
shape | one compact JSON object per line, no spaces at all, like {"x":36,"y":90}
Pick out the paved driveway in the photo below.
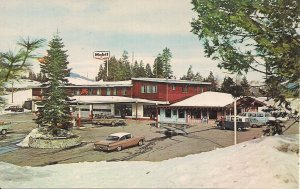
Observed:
{"x":157,"y":147}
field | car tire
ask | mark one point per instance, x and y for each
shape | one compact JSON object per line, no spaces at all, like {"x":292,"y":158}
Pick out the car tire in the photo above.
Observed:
{"x":254,"y":125}
{"x":239,"y":129}
{"x":4,"y":131}
{"x":113,"y":123}
{"x":224,"y":128}
{"x":141,"y":142}
{"x":119,"y":148}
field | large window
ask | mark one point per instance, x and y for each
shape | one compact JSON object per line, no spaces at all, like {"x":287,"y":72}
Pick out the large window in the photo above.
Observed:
{"x":115,"y":91}
{"x":99,"y":91}
{"x":123,"y":110}
{"x":108,"y":91}
{"x":124,"y":91}
{"x":168,"y":113}
{"x":154,"y":89}
{"x":149,"y":89}
{"x":149,"y":111}
{"x":181,"y":114}
{"x":143,"y":89}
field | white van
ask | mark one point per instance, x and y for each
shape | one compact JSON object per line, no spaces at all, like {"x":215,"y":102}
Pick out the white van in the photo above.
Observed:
{"x":258,"y":118}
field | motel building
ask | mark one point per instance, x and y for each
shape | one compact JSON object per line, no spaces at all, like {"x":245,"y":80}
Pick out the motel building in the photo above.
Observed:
{"x":206,"y":107}
{"x":138,"y":98}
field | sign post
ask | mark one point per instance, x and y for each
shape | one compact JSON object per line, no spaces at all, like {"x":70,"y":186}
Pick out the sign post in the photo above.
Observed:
{"x":103,"y":55}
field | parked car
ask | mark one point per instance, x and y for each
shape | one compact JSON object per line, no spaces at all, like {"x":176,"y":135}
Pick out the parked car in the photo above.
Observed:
{"x":15,"y":109}
{"x":255,"y":123}
{"x":242,"y":123}
{"x":258,"y":118}
{"x":119,"y":141}
{"x":4,"y":126}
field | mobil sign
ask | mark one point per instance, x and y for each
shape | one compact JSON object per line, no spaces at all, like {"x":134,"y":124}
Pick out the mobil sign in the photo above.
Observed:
{"x":102,"y":55}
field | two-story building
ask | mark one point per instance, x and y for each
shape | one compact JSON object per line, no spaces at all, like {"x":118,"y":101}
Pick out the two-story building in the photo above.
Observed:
{"x":137,"y":98}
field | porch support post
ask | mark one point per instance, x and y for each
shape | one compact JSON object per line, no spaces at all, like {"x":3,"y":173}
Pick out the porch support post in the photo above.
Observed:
{"x":156,"y":115}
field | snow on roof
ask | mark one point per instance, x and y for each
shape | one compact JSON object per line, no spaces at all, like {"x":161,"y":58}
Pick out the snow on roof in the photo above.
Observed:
{"x":207,"y":99}
{"x":84,"y":82}
{"x":271,"y":162}
{"x":21,"y":84}
{"x":120,"y":134}
{"x":163,"y":80}
{"x":113,"y":99}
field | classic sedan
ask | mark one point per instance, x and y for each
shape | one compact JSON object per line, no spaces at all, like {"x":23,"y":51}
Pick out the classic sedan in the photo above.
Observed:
{"x":119,"y":141}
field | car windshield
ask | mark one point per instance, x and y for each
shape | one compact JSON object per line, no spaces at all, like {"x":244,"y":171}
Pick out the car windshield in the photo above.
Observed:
{"x":112,"y":138}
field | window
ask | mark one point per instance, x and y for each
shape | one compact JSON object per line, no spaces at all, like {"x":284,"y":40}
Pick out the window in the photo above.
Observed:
{"x":115,"y":91}
{"x":149,"y":110}
{"x":260,"y":115}
{"x":167,"y":113}
{"x":143,"y":90}
{"x":90,"y":91}
{"x":175,"y":112}
{"x":77,"y":92}
{"x":184,"y":88}
{"x":154,"y":89}
{"x":181,"y":114}
{"x":108,"y":91}
{"x":123,"y":138}
{"x":124,"y":91}
{"x":173,"y":87}
{"x":99,"y":91}
{"x":149,"y":89}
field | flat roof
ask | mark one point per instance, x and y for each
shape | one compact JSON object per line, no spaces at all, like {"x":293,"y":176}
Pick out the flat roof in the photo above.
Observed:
{"x":163,"y":80}
{"x":112,"y":100}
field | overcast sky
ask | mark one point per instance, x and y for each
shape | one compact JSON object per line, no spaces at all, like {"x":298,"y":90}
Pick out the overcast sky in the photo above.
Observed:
{"x":141,"y":27}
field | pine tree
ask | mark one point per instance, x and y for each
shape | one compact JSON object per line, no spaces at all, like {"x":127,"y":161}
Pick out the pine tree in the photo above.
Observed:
{"x":101,"y":73}
{"x":141,"y":70}
{"x":148,"y":71}
{"x":214,"y":83}
{"x":158,"y":71}
{"x":246,"y":87}
{"x":135,"y":69}
{"x":126,"y":66}
{"x":166,"y":59}
{"x":56,"y":102}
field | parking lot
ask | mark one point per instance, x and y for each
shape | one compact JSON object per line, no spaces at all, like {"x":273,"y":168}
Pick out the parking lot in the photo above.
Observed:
{"x":158,"y":147}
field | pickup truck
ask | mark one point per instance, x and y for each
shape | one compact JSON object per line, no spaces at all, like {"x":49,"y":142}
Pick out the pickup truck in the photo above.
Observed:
{"x":4,"y":126}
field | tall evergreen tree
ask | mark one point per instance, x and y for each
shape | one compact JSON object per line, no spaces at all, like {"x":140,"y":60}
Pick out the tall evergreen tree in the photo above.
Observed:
{"x":101,"y":73}
{"x":214,"y":83}
{"x":148,"y":70}
{"x":142,"y":71}
{"x":246,"y":87}
{"x":56,"y":102}
{"x":126,"y":66}
{"x":166,"y":59}
{"x":158,"y":70}
{"x":229,"y":86}
{"x":135,"y":69}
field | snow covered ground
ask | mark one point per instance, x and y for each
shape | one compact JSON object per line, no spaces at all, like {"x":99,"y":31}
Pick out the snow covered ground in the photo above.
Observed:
{"x":19,"y":98}
{"x":268,"y":162}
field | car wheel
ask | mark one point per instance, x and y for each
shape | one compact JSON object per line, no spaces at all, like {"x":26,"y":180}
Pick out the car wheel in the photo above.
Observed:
{"x":224,"y":128}
{"x":4,"y":131}
{"x":239,"y":129}
{"x":254,"y":125}
{"x":113,"y":123}
{"x":141,"y":142}
{"x":119,"y":148}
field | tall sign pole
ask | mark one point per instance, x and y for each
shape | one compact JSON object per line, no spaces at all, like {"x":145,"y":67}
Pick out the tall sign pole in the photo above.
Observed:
{"x":103,"y":55}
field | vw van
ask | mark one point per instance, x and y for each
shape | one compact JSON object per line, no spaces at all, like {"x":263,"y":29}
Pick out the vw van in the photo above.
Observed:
{"x":257,"y":119}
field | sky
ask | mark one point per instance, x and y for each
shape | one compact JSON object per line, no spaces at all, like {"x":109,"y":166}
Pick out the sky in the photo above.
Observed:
{"x":142,"y":28}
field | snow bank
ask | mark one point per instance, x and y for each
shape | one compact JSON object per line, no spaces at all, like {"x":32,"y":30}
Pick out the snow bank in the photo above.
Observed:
{"x":34,"y":133}
{"x":269,"y":162}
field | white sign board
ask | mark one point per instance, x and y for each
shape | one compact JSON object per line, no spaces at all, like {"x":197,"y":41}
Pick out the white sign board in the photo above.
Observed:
{"x":102,"y":55}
